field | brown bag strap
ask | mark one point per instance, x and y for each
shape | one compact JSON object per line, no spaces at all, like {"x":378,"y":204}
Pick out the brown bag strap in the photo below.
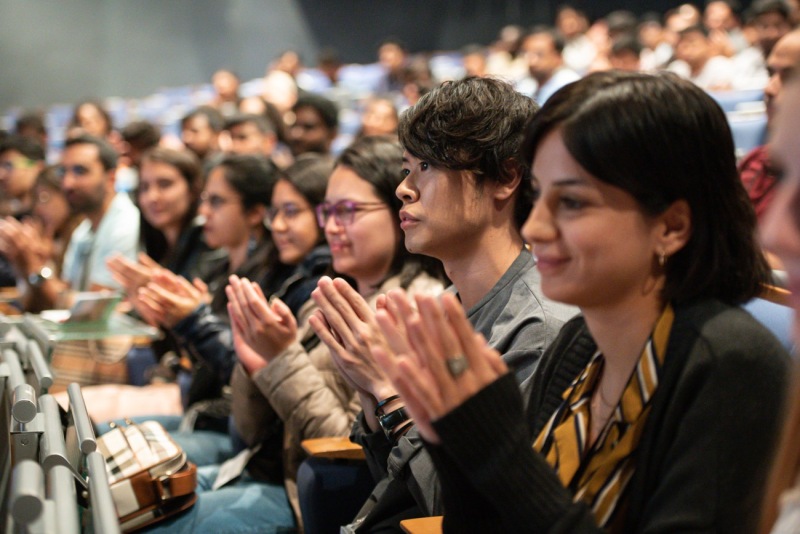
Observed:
{"x":150,"y":491}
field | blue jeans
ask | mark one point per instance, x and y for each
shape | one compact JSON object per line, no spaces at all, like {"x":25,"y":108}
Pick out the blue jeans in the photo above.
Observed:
{"x":243,"y":506}
{"x":202,"y":447}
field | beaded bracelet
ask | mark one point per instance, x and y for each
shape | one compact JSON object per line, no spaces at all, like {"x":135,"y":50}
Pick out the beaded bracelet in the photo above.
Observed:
{"x":384,"y":402}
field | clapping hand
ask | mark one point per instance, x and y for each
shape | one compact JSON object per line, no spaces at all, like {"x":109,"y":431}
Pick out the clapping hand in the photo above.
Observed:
{"x":25,"y":245}
{"x":132,"y":275}
{"x":347,"y":325}
{"x":168,"y":298}
{"x":446,"y":363}
{"x":261,"y":329}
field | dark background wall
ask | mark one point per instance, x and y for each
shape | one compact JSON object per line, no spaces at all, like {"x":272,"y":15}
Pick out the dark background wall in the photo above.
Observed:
{"x":61,"y":51}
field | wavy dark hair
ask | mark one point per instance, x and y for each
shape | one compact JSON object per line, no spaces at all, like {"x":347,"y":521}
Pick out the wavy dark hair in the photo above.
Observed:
{"x":378,"y":160}
{"x":475,"y":125}
{"x":662,"y":139}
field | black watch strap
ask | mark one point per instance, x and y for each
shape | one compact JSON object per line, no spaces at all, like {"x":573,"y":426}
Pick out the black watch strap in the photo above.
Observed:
{"x":391,"y":420}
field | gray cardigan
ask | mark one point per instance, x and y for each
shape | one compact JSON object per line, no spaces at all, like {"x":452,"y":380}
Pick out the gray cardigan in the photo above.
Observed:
{"x":519,"y":322}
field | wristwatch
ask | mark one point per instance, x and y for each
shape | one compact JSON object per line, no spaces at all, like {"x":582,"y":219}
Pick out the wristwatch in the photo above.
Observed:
{"x":38,"y":278}
{"x":392,"y":420}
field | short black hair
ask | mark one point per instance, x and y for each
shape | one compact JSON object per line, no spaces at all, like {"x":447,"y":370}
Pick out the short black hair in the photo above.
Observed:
{"x":395,"y":41}
{"x":252,"y":177}
{"x":326,"y":109}
{"x":262,"y":122}
{"x":141,"y":134}
{"x":474,"y":50}
{"x":33,"y":120}
{"x":108,"y":156}
{"x":734,"y":5}
{"x":695,"y":28}
{"x":27,"y":146}
{"x":476,"y":125}
{"x":309,"y":175}
{"x":662,"y":139}
{"x":651,"y":17}
{"x":214,"y":118}
{"x":626,"y":42}
{"x":762,"y":7}
{"x":555,"y":36}
{"x":621,"y":21}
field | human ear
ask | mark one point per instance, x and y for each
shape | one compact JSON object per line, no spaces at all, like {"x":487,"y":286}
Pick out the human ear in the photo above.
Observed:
{"x":674,"y":228}
{"x":270,"y":142}
{"x":511,"y":178}
{"x":256,"y":215}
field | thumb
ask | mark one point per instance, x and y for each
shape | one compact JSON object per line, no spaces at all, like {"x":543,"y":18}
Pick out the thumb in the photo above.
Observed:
{"x":199,"y":284}
{"x":282,"y":310}
{"x":147,"y":261}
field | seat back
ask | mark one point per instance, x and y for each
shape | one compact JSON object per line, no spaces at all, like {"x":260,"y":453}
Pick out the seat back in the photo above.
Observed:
{"x":776,"y":317}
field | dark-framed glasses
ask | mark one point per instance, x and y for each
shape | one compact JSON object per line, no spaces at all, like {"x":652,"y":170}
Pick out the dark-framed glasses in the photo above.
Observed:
{"x":344,"y":211}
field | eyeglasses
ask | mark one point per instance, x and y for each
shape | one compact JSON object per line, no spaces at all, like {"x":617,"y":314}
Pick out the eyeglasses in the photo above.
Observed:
{"x":21,"y":163}
{"x":78,"y":170}
{"x":214,"y":201}
{"x":344,"y":211}
{"x":290,"y":212}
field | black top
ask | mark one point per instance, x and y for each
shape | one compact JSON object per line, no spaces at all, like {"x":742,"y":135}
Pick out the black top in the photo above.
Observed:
{"x":703,"y":454}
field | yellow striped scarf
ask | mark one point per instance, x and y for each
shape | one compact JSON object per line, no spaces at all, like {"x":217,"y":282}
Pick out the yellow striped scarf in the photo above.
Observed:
{"x":599,"y":475}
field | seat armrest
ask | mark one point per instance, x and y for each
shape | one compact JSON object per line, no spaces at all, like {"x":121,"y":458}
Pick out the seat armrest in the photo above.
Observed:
{"x":334,"y":448}
{"x":422,"y":525}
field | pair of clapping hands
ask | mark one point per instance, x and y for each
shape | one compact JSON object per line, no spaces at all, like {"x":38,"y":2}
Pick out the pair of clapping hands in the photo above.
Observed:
{"x":25,"y":245}
{"x":161,"y":297}
{"x":425,"y":349}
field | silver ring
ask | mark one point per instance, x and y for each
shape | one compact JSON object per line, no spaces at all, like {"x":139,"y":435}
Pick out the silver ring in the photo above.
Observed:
{"x":457,"y":365}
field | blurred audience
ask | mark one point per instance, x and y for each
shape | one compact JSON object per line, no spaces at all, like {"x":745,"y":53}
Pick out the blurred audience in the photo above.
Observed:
{"x":226,"y":92}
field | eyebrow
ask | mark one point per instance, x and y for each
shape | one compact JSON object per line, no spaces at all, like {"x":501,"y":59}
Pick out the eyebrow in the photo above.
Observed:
{"x":564,"y":182}
{"x":571,"y":181}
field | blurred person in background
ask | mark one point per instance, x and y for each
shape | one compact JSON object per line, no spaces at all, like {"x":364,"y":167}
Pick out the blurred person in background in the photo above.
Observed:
{"x":226,"y":92}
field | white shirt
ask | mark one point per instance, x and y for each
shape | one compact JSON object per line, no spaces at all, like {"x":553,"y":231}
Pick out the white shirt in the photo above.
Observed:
{"x":560,"y":78}
{"x":87,"y":252}
{"x":717,"y":73}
